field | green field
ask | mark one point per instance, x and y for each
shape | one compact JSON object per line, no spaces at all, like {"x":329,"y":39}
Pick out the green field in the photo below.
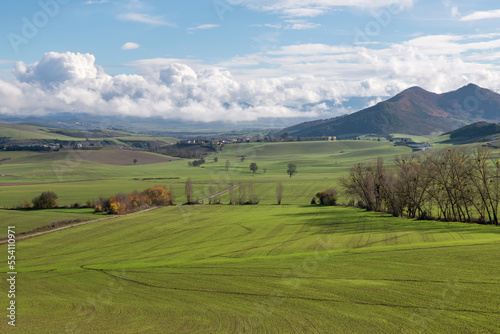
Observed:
{"x":293,"y":268}
{"x":301,"y":269}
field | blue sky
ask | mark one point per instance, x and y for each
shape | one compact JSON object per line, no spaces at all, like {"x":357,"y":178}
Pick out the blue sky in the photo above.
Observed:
{"x":211,"y":59}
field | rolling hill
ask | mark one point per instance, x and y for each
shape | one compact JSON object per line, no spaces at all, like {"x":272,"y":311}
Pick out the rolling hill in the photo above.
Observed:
{"x":475,"y":133}
{"x":414,"y":111}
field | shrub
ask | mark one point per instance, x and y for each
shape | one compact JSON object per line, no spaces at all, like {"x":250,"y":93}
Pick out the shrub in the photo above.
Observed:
{"x":26,"y":204}
{"x":327,"y":197}
{"x":120,"y":204}
{"x":47,"y":200}
{"x":158,"y":196}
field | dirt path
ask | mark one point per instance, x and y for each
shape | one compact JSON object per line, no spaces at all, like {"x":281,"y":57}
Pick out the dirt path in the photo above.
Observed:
{"x":24,"y":237}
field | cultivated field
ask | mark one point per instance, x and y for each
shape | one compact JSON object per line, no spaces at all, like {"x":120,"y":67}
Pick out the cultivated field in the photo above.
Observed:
{"x":299,"y":269}
{"x":294,"y":268}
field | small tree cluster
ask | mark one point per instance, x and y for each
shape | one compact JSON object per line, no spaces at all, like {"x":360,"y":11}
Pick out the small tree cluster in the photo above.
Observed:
{"x":328,"y":197}
{"x":124,"y":203}
{"x":457,"y":184}
{"x":47,"y":200}
{"x":197,"y":163}
{"x":292,"y":169}
{"x":254,"y":167}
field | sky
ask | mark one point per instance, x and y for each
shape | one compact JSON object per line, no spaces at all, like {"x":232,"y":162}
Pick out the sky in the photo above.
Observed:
{"x":238,"y":60}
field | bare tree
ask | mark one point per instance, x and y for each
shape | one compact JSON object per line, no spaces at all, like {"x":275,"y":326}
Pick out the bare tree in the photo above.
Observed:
{"x":463,"y":185}
{"x":211,"y":192}
{"x":242,"y":195}
{"x":189,"y":191}
{"x":279,"y":193}
{"x":231,"y":196}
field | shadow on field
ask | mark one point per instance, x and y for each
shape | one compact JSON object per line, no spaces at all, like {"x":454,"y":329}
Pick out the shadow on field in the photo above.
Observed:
{"x":341,"y":220}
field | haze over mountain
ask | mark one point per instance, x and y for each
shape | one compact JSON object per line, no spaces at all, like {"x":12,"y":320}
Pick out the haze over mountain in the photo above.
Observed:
{"x":414,"y":111}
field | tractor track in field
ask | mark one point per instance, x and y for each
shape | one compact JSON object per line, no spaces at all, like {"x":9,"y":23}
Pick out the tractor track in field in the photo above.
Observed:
{"x":303,"y":229}
{"x":264,"y":295}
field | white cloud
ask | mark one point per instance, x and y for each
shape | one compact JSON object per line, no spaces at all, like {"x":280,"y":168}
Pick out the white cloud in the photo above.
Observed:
{"x":492,"y":14}
{"x":130,"y":46}
{"x":301,"y":25}
{"x":295,"y":24}
{"x":268,"y":25}
{"x":95,"y":2}
{"x":56,"y":68}
{"x":205,"y":27}
{"x":313,"y":8}
{"x":261,"y":85}
{"x":144,"y":18}
{"x":437,"y":62}
{"x":72,"y":82}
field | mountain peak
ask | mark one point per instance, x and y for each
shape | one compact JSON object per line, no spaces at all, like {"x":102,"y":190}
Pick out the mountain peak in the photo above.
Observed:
{"x":413,"y":111}
{"x":413,"y":89}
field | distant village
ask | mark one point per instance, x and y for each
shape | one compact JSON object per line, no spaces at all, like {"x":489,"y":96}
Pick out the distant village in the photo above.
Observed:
{"x":408,"y":142}
{"x":284,"y":138}
{"x":153,"y":145}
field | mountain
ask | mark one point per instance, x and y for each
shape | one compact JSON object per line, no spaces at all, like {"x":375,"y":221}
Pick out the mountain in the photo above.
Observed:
{"x":414,"y":111}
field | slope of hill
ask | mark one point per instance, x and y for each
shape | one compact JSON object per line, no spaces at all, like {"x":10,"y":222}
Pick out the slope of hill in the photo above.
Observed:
{"x":475,"y":133}
{"x":414,"y":111}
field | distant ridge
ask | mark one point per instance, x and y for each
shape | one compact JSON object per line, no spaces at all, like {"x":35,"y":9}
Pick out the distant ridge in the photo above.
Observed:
{"x":414,"y":111}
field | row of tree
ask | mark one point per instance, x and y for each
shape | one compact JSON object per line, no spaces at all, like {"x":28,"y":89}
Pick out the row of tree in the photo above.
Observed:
{"x":456,"y":185}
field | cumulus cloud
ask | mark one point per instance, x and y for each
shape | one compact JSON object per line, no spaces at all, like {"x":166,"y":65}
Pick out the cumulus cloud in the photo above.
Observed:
{"x":435,"y":62}
{"x":72,"y":82}
{"x":130,"y":46}
{"x":290,"y":81}
{"x":56,"y":68}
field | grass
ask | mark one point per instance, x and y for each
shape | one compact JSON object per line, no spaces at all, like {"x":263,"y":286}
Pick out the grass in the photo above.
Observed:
{"x":253,"y":269}
{"x":288,"y":268}
{"x":26,"y":220}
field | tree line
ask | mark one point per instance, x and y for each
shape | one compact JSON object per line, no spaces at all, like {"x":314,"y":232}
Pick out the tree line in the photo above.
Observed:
{"x":457,"y":184}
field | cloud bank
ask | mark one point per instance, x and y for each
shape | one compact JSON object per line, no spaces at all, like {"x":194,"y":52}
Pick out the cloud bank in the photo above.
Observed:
{"x":269,"y":84}
{"x":72,"y":82}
